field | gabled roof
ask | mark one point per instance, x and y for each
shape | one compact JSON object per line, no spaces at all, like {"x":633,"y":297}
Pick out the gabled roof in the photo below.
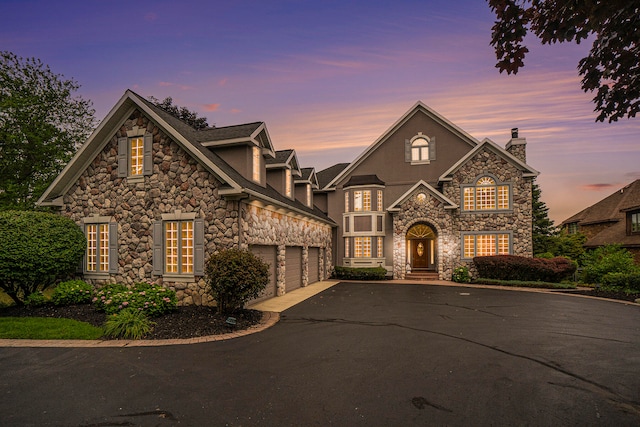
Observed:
{"x":308,"y":176}
{"x":184,"y":135}
{"x":249,"y":133}
{"x":285,"y":159}
{"x":527,"y":171}
{"x":356,"y":180}
{"x":421,"y":185}
{"x":418,"y":107}
{"x":325,"y":176}
{"x":610,"y":209}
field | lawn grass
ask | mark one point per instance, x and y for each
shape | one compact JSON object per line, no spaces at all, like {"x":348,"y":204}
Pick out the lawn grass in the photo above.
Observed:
{"x":41,"y":328}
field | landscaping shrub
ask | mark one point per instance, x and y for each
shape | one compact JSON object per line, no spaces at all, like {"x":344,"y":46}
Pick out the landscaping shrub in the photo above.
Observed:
{"x":628,"y":281}
{"x":36,"y":299}
{"x":235,"y":277}
{"x":72,"y":292}
{"x":461,"y":275}
{"x":152,"y":300}
{"x":129,"y":323}
{"x":604,"y":260}
{"x":350,"y":273}
{"x":36,"y":250}
{"x":512,"y":267}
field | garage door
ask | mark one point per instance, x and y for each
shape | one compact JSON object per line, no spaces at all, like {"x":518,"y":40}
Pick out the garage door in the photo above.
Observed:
{"x":293,"y":268}
{"x":314,"y":265}
{"x":268,"y":255}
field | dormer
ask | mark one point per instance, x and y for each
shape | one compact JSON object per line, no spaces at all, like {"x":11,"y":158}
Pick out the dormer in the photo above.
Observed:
{"x":305,"y":185}
{"x":281,"y":172}
{"x":246,"y":148}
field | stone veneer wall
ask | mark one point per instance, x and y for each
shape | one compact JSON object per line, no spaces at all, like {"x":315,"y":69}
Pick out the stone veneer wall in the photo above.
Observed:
{"x":264,"y":226}
{"x":450,"y":223}
{"x":180,"y":183}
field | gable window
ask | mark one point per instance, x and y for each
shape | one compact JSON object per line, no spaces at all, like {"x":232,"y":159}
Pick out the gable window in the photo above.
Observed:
{"x":572,"y":228}
{"x":101,"y":256}
{"x":488,"y":244}
{"x":256,"y":164}
{"x":135,"y":155}
{"x":486,"y":195}
{"x":362,"y":200}
{"x":287,"y":183}
{"x":420,"y":150}
{"x":309,"y":203}
{"x":178,"y":246}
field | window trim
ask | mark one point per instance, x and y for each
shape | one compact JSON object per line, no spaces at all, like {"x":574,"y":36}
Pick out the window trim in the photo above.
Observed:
{"x":631,"y":216}
{"x":159,"y":247}
{"x":111,"y":248}
{"x":256,"y":171}
{"x":124,"y":154}
{"x":475,"y":234}
{"x":470,"y":192}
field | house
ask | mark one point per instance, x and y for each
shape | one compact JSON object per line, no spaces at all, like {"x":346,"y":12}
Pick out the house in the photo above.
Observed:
{"x":613,"y":220}
{"x":426,"y":197}
{"x":156,"y":198}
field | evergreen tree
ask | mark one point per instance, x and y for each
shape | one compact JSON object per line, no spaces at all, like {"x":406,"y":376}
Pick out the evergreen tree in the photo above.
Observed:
{"x":543,"y":229}
{"x":189,"y":117}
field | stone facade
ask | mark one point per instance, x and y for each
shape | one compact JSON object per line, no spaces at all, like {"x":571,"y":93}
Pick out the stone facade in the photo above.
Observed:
{"x":449,"y":223}
{"x":178,"y":183}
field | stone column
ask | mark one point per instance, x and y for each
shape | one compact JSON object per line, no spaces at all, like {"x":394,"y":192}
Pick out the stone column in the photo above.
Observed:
{"x":281,"y":271}
{"x":305,"y":265}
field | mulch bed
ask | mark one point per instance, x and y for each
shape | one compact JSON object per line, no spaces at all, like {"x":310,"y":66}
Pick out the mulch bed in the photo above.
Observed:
{"x":186,"y":322}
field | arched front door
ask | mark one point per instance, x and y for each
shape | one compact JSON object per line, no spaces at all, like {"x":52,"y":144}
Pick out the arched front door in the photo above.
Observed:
{"x":422,"y":247}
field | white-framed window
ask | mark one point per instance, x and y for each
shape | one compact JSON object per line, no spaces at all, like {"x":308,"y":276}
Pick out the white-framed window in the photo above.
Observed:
{"x":420,"y":150}
{"x":178,"y":246}
{"x":347,"y":252}
{"x":486,"y":195}
{"x":485,"y":244}
{"x":309,"y":200}
{"x":101,"y":256}
{"x":135,"y":154}
{"x":380,"y":247}
{"x":346,"y":201}
{"x":287,"y":182}
{"x":362,"y":247}
{"x":362,"y":200}
{"x":256,"y":163}
{"x":380,"y":205}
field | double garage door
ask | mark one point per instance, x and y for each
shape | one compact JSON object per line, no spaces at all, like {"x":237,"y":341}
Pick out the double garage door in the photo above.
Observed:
{"x":293,"y":267}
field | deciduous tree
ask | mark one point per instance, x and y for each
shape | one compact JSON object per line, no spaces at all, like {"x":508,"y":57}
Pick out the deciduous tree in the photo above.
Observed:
{"x":611,"y":68}
{"x":42,"y":123}
{"x":183,"y":113}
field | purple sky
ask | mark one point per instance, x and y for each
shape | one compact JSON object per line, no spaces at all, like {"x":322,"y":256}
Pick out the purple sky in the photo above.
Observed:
{"x":329,"y":77}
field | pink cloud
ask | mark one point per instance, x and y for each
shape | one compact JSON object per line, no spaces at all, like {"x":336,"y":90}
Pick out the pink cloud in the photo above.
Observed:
{"x":223,"y":82}
{"x":235,"y":111}
{"x":165,"y":84}
{"x":150,"y":16}
{"x":211,"y":107}
{"x":599,"y":187}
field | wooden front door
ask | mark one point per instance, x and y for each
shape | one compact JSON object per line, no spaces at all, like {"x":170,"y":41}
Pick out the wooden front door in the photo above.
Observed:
{"x":420,"y":255}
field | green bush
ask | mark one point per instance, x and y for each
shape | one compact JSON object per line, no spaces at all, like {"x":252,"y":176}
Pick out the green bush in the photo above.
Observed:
{"x":36,"y":250}
{"x":36,"y":299}
{"x":512,"y":267}
{"x":350,"y":273}
{"x":129,"y":323}
{"x":604,"y":260}
{"x":235,"y":277}
{"x":628,"y":281}
{"x":153,"y":300}
{"x":461,"y":275}
{"x":72,"y":292}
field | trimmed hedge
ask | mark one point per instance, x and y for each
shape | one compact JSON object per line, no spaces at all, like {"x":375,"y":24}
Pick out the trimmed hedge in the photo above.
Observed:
{"x":36,"y":250}
{"x":349,"y":273}
{"x":512,"y":267}
{"x":630,"y":281}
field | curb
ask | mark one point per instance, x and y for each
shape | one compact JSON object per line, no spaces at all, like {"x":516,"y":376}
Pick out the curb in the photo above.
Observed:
{"x":269,"y":319}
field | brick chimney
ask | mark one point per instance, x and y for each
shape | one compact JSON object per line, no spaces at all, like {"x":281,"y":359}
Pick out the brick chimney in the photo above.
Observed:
{"x":517,"y":146}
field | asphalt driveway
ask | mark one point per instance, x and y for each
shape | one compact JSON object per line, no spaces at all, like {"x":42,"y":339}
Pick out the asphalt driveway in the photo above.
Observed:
{"x":357,"y":354}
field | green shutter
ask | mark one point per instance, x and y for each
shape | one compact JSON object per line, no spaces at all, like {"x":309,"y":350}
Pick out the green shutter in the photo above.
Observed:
{"x":123,"y":148}
{"x":147,"y":163}
{"x":158,"y":252}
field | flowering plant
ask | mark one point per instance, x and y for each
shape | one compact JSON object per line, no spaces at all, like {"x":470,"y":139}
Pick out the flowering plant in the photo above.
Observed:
{"x":153,"y":300}
{"x":72,"y":292}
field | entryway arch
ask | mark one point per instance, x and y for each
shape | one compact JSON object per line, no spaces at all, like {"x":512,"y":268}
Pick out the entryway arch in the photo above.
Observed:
{"x":422,"y":247}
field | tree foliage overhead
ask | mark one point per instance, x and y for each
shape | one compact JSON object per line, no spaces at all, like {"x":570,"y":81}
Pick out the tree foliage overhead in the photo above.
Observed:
{"x":183,"y":113}
{"x":611,"y":68}
{"x":42,"y":123}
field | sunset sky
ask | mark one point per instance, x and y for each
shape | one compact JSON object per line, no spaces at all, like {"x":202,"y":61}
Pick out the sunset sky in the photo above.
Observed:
{"x":329,"y":77}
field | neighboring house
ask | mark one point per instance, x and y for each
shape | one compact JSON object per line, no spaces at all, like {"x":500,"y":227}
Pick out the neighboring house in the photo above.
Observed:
{"x":156,"y":198}
{"x":613,"y":220}
{"x":427,"y":197}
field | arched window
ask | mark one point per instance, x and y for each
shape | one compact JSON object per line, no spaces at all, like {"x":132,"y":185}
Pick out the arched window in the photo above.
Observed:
{"x":420,"y":150}
{"x":486,"y":195}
